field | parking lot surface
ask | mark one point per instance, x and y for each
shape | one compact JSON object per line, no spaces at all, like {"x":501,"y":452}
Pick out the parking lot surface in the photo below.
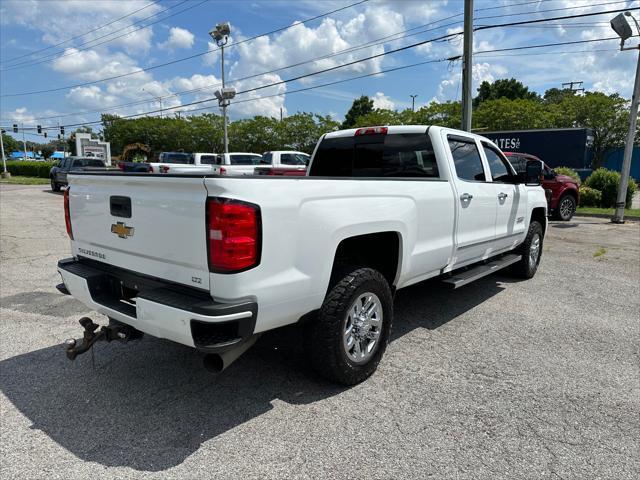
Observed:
{"x":501,"y":378}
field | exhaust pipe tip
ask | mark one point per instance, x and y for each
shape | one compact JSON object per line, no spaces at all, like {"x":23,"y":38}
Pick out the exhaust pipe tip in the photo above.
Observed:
{"x":213,"y":363}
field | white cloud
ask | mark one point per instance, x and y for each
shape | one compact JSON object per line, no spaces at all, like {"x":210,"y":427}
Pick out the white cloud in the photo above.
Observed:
{"x":178,"y":38}
{"x":380,"y":100}
{"x":21,"y":115}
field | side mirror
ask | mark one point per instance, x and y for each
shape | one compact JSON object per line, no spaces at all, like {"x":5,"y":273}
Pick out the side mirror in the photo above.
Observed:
{"x":533,"y":173}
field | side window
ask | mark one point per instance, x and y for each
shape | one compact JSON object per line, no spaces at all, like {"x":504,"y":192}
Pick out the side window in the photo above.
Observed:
{"x":76,"y":164}
{"x":267,"y":159}
{"x":499,"y":169}
{"x":207,"y":159}
{"x":466,"y":159}
{"x":293,"y":159}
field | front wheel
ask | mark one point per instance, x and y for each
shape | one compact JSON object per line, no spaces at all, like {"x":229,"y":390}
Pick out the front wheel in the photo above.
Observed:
{"x":55,"y":187}
{"x":348,"y":338}
{"x":531,"y":251}
{"x":566,"y":208}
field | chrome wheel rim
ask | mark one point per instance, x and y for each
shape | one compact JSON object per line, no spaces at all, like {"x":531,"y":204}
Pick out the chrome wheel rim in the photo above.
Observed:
{"x":566,"y":208}
{"x":362,"y":327}
{"x":534,"y":250}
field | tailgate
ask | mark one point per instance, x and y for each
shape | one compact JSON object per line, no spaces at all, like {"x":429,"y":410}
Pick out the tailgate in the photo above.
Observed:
{"x":154,"y":225}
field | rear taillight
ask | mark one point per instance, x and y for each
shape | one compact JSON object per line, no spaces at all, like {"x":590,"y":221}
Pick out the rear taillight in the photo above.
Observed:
{"x":121,"y":166}
{"x":233,"y":235}
{"x":372,"y":131}
{"x":164,"y":169}
{"x":67,"y":214}
{"x":223,"y":171}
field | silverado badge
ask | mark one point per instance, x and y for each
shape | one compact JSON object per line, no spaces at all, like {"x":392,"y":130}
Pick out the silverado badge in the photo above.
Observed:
{"x":122,"y":230}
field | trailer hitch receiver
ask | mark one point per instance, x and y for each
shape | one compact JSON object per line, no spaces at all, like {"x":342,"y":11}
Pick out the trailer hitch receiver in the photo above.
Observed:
{"x":94,"y":333}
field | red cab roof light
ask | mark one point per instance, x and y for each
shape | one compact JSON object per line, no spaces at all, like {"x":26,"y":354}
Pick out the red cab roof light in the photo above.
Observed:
{"x":372,"y":131}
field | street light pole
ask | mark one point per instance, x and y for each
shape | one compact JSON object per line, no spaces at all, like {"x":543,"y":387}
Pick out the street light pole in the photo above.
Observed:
{"x":5,"y":173}
{"x":622,"y":28}
{"x":220,"y":34}
{"x":413,"y":102}
{"x":24,"y":142}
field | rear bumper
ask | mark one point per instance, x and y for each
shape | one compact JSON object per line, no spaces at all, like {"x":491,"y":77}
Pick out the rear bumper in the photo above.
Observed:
{"x":159,"y":308}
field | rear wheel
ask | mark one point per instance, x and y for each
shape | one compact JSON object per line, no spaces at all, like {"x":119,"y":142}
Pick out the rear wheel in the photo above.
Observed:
{"x":55,"y":187}
{"x":566,"y":208}
{"x":531,"y":251}
{"x":348,"y":338}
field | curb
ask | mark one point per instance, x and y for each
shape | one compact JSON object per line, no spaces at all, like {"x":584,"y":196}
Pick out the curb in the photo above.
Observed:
{"x":605,"y":215}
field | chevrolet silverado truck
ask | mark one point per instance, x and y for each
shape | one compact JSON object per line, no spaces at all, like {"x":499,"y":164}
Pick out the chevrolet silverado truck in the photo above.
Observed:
{"x":283,"y":162}
{"x":213,"y":261}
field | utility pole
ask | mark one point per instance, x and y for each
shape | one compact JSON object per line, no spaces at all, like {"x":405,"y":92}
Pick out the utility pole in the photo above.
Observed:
{"x":571,"y":84}
{"x":5,"y":173}
{"x":413,"y":102}
{"x":24,"y":142}
{"x":467,"y":65}
{"x":280,"y":113}
{"x":622,"y":28}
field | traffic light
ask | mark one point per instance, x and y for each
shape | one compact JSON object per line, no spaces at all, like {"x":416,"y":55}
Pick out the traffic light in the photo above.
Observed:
{"x":39,"y":128}
{"x":62,"y":130}
{"x":15,"y":128}
{"x":59,"y":136}
{"x":45,"y":134}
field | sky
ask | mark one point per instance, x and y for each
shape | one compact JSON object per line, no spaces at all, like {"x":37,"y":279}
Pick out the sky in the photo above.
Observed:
{"x":72,"y":46}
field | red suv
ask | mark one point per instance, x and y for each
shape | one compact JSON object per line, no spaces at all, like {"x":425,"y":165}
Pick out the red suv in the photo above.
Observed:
{"x":562,"y":191}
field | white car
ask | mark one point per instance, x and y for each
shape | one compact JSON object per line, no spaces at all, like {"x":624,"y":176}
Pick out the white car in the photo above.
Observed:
{"x":212,"y":262}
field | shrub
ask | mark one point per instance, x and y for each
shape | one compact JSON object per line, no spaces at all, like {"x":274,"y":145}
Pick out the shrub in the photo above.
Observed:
{"x":590,"y":197}
{"x":569,"y":172}
{"x":607,"y":182}
{"x":26,"y":168}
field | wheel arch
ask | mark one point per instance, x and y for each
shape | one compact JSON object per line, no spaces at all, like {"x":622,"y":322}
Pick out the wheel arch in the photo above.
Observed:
{"x":539,"y":214}
{"x":381,"y":251}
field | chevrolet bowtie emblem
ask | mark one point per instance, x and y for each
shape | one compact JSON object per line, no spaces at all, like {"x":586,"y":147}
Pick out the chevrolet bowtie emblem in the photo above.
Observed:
{"x":122,"y":230}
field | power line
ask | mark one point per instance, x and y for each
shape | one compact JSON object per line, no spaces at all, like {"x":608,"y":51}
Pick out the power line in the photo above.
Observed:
{"x":81,"y":35}
{"x":56,"y":56}
{"x":191,"y":56}
{"x":265,"y":34}
{"x":97,"y":122}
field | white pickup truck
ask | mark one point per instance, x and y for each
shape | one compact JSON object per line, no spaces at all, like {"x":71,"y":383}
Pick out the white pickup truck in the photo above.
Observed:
{"x":212,"y":261}
{"x":283,"y":162}
{"x":180,"y":162}
{"x":236,"y":163}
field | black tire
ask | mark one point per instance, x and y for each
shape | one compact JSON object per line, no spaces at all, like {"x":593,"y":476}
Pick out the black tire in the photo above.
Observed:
{"x":566,"y":208}
{"x":55,"y":187}
{"x":527,"y":267}
{"x":324,"y":334}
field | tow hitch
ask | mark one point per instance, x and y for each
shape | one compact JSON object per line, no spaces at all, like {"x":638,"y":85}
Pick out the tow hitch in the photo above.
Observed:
{"x":114,"y":331}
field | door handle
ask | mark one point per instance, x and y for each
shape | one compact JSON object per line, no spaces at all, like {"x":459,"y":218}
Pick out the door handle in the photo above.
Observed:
{"x":465,"y":197}
{"x":502,"y":196}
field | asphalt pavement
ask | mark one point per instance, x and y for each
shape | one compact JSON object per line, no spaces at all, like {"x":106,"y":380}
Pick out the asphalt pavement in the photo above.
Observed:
{"x":499,"y":379}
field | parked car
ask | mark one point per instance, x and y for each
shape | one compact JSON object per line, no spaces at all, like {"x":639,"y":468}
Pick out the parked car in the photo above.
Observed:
{"x":139,"y":167}
{"x":212,"y":262}
{"x":236,"y":163}
{"x":563,"y":192}
{"x":58,"y":173}
{"x":283,"y":162}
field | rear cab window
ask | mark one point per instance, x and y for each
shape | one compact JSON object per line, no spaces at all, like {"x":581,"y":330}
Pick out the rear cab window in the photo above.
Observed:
{"x":181,"y":158}
{"x":294,"y":159}
{"x":240,"y":159}
{"x":208,"y":159}
{"x":399,"y":155}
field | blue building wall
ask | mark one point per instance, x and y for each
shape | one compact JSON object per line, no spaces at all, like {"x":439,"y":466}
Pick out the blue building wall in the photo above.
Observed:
{"x":613,"y":161}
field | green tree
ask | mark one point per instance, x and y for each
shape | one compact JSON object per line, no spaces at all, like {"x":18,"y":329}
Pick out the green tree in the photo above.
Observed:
{"x":505,"y":114}
{"x":10,"y":144}
{"x":360,"y":106}
{"x":379,"y":116}
{"x":606,"y":115}
{"x":447,"y":114}
{"x":555,"y":95}
{"x":511,"y":89}
{"x":47,"y":150}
